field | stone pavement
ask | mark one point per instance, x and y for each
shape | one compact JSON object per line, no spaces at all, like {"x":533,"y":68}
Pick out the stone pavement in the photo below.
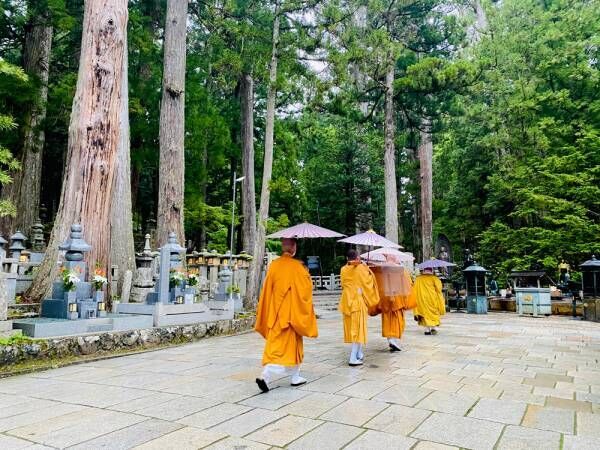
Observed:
{"x":496,"y":381}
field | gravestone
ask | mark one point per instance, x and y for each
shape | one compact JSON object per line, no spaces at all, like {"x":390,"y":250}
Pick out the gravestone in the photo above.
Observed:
{"x":38,"y":246}
{"x":79,"y":310}
{"x":77,"y":304}
{"x":143,"y":281}
{"x":3,"y":243}
{"x":126,"y":287}
{"x":6,"y":328}
{"x":170,"y":305}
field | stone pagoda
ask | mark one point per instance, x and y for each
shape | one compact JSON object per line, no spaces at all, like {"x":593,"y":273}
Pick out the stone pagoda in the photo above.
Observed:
{"x":77,"y":303}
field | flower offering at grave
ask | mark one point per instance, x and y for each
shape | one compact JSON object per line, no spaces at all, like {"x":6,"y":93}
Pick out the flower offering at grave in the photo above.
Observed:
{"x":176,"y":278}
{"x":99,"y":279}
{"x":70,"y":279}
{"x":193,"y":279}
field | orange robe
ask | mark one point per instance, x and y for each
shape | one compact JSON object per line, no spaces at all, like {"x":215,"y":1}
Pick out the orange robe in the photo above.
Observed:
{"x":359,"y":293}
{"x":430,"y":300}
{"x":392,"y":306}
{"x":285,"y":312}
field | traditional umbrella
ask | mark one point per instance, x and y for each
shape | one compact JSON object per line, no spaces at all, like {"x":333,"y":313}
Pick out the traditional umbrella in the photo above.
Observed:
{"x":434,"y":263}
{"x":381,"y":253}
{"x":305,"y":231}
{"x":370,"y":239}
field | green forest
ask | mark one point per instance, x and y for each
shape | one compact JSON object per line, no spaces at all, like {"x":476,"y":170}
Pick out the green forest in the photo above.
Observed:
{"x":348,"y":95}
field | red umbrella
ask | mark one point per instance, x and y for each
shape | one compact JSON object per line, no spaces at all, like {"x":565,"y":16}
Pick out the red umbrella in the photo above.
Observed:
{"x":370,"y":239}
{"x":305,"y":231}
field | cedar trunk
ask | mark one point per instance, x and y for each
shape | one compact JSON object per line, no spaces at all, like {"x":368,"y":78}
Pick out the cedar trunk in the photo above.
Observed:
{"x":263,"y":211}
{"x":426,"y":174}
{"x":172,"y":125}
{"x":247,"y":138}
{"x":94,"y":136}
{"x":24,"y":191}
{"x":121,"y":227}
{"x":391,"y":192}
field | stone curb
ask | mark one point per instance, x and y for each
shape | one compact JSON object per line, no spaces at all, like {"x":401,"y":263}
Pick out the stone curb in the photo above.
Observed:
{"x":105,"y":344}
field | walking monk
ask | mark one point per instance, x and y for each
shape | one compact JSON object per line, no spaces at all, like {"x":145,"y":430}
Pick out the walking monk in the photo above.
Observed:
{"x":430,"y":301}
{"x":396,"y":295}
{"x":284,"y":315}
{"x":359,"y":292}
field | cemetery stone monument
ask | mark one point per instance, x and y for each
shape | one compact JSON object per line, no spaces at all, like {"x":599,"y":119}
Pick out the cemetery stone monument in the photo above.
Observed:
{"x":143,"y":281}
{"x":72,"y":296}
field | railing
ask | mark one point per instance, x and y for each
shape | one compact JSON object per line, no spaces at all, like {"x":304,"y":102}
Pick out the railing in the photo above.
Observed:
{"x":328,"y":283}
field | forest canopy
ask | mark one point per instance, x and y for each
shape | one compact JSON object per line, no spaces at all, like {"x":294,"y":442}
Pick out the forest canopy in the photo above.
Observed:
{"x":508,"y":92}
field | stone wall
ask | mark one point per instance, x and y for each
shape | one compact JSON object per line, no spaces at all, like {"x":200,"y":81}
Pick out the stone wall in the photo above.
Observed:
{"x":107,"y":343}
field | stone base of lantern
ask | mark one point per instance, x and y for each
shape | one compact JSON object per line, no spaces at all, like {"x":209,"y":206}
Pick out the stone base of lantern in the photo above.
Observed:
{"x":42,"y":327}
{"x":477,"y":304}
{"x":591,"y":309}
{"x":140,"y":294}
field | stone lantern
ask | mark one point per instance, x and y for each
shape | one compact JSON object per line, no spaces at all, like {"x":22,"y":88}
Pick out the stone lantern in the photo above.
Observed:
{"x":16,"y":245}
{"x":475,"y":281}
{"x":590,"y":287}
{"x":590,"y":277}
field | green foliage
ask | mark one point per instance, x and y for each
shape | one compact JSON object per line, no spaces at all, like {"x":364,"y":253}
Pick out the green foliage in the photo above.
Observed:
{"x":515,"y":113}
{"x":517,"y":169}
{"x":10,"y":77}
{"x":17,"y":339}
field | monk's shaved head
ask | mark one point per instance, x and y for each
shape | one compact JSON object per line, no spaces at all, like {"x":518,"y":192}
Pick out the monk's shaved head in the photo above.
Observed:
{"x":352,"y":255}
{"x":288,"y":246}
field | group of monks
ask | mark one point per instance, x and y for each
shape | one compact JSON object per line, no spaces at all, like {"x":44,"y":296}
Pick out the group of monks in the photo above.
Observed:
{"x":285,"y":311}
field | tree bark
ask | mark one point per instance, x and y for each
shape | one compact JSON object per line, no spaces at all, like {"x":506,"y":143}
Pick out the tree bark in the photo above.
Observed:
{"x":263,"y":211}
{"x":121,"y":227}
{"x":172,"y":125}
{"x":94,"y":136}
{"x":247,"y":138}
{"x":391,"y":191}
{"x":426,"y":175}
{"x":481,"y":22}
{"x":24,"y":191}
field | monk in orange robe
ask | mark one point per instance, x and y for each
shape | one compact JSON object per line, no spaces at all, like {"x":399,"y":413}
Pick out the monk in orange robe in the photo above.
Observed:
{"x":359,"y":293}
{"x":396,"y":296}
{"x":430,"y":301}
{"x":284,"y":315}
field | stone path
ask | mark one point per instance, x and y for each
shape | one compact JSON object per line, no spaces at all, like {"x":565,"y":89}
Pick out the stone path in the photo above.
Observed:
{"x":496,"y":381}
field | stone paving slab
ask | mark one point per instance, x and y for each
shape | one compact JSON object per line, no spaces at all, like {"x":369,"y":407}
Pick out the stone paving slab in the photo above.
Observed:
{"x":132,"y":436}
{"x":329,"y":436}
{"x":549,"y":419}
{"x":459,"y":431}
{"x":580,"y":443}
{"x":521,"y":438}
{"x":187,"y":438}
{"x":504,"y":411}
{"x":354,"y":411}
{"x":486,"y":381}
{"x":398,"y":419}
{"x":284,"y":431}
{"x":450,"y":403}
{"x":214,"y":416}
{"x":248,"y":422}
{"x":378,"y":440}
